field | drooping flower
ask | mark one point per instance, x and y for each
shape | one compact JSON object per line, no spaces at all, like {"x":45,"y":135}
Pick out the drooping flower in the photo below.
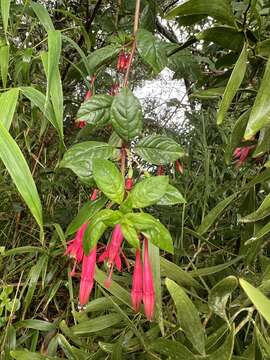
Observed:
{"x":179,"y":168}
{"x":80,"y":124}
{"x":123,"y":61}
{"x":241,"y":154}
{"x":160,"y":170}
{"x":88,"y":95}
{"x":87,"y":276}
{"x":94,"y":195}
{"x":129,"y":184}
{"x":75,"y":247}
{"x":137,"y":283}
{"x":112,"y":252}
{"x":148,"y":284}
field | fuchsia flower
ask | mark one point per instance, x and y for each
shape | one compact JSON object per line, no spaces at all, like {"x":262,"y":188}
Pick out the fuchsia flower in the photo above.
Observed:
{"x":112,"y":252}
{"x":114,"y":90}
{"x":137,"y":283}
{"x":94,"y":195}
{"x":123,"y":61}
{"x":179,"y":168}
{"x":87,"y":276}
{"x":88,"y":95}
{"x":160,"y":170}
{"x":148,"y":285}
{"x":75,"y":247}
{"x":129,"y":184}
{"x":241,"y":154}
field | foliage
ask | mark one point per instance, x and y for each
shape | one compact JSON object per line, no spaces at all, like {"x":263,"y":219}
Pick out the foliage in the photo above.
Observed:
{"x":207,"y":220}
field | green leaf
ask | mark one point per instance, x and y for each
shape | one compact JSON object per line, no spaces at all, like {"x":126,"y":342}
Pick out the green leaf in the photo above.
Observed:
{"x":5,"y":6}
{"x":183,"y":278}
{"x":262,"y":212}
{"x":263,"y":142}
{"x":217,"y":9}
{"x":172,"y":196}
{"x":36,"y":325}
{"x":28,"y":355}
{"x":18,"y":169}
{"x":151,"y":50}
{"x":8,"y":103}
{"x":159,"y":150}
{"x":98,"y":324}
{"x":86,"y":212}
{"x":188,"y":316}
{"x":39,"y":99}
{"x":263,"y":345}
{"x":56,"y":94}
{"x":219,"y":295}
{"x":52,"y":73}
{"x":96,"y":110}
{"x":79,"y":158}
{"x":237,"y":135}
{"x":43,"y":16}
{"x":109,"y":180}
{"x":233,"y":85}
{"x":152,"y":229}
{"x":208,"y":94}
{"x":130,"y":234}
{"x":4,"y":62}
{"x":214,"y":214}
{"x":225,"y":351}
{"x":172,"y":349}
{"x":259,"y":300}
{"x":260,"y":113}
{"x":225,"y":36}
{"x":101,"y":56}
{"x":126,"y":115}
{"x":263,"y":48}
{"x":148,"y":191}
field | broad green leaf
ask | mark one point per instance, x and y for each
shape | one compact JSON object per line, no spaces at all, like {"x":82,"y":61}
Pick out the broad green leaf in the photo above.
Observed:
{"x":152,"y":228}
{"x":225,"y":36}
{"x":172,"y":349}
{"x":205,"y":271}
{"x":4,"y":62}
{"x":172,"y":196}
{"x":237,"y":135}
{"x":151,"y":50}
{"x":98,"y":225}
{"x":126,"y":115}
{"x":159,"y":150}
{"x":101,"y":56}
{"x":86,"y":212}
{"x":233,"y":85}
{"x":79,"y":158}
{"x":188,"y":316}
{"x":130,"y":234}
{"x":18,"y":169}
{"x":109,"y":179}
{"x":96,"y":110}
{"x":260,"y":113}
{"x":219,"y":295}
{"x":263,"y":48}
{"x":148,"y":191}
{"x":80,"y":52}
{"x":183,"y":278}
{"x":225,"y":351}
{"x":39,"y":99}
{"x":40,"y":325}
{"x":212,"y":216}
{"x":5,"y":6}
{"x":260,"y":301}
{"x":56,"y":93}
{"x":190,"y":19}
{"x":261,"y":233}
{"x":262,"y":212}
{"x":8,"y":103}
{"x":185,"y":66}
{"x":43,"y":15}
{"x":98,"y":324}
{"x":218,"y":9}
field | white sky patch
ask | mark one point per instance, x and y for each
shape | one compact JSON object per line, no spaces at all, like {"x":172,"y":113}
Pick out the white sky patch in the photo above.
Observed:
{"x":164,"y":99}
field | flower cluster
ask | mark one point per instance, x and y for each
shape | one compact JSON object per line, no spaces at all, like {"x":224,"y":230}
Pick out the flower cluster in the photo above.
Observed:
{"x":241,"y":154}
{"x":142,"y":284}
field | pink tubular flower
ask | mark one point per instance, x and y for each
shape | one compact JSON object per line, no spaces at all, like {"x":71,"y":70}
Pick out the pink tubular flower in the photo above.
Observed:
{"x":241,"y":154}
{"x":179,"y":168}
{"x":112,"y":252}
{"x":80,"y":124}
{"x":137,"y":283}
{"x":75,"y":247}
{"x":160,"y":170}
{"x":88,"y":95}
{"x":148,"y":285}
{"x":123,"y":61}
{"x":94,"y":195}
{"x":129,"y":184}
{"x":87,"y":276}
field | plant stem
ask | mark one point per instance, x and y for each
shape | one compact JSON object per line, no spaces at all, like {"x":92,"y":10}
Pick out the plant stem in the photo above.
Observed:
{"x":133,"y":49}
